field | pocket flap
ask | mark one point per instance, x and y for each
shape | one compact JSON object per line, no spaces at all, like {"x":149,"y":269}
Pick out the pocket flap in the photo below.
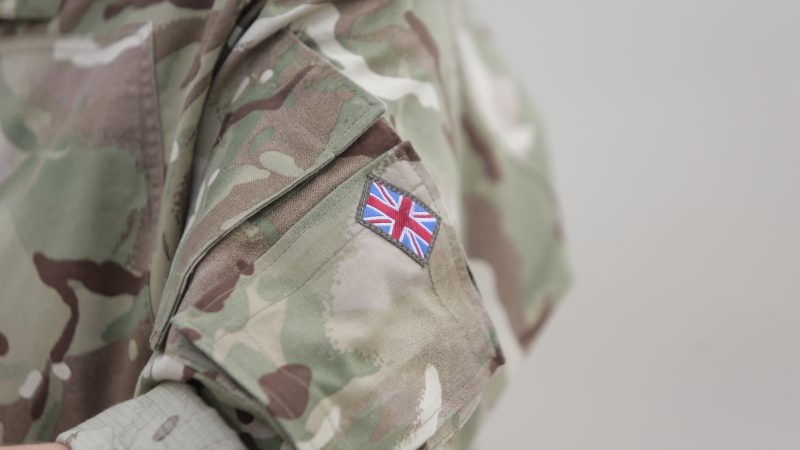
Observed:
{"x":277,"y":114}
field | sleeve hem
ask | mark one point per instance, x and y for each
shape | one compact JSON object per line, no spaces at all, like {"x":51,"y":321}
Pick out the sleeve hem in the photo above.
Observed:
{"x":171,"y":415}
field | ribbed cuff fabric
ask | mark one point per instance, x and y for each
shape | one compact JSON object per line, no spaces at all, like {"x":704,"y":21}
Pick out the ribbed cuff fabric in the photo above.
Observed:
{"x":169,"y":416}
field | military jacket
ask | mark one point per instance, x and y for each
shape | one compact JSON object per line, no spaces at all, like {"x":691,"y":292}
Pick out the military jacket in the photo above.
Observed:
{"x":267,"y":224}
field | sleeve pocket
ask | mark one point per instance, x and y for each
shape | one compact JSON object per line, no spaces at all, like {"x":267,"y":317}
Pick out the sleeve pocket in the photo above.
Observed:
{"x":345,"y":339}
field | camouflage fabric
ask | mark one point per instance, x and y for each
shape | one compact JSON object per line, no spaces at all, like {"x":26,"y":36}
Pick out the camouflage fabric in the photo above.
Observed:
{"x":183,"y":262}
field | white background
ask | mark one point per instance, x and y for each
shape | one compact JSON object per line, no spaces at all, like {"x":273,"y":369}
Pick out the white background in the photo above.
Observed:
{"x":675,"y":131}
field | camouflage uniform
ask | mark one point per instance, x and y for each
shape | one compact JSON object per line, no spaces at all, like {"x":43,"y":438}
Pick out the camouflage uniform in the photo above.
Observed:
{"x":190,"y":252}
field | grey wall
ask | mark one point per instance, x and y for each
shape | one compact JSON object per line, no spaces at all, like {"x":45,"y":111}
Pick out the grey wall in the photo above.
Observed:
{"x":675,"y":127}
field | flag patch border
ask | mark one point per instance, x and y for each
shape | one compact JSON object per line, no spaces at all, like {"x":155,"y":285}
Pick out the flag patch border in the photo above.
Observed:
{"x":370,"y":178}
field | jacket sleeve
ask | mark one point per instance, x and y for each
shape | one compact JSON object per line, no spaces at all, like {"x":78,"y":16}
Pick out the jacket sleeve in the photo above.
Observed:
{"x":324,"y":295}
{"x":320,"y":297}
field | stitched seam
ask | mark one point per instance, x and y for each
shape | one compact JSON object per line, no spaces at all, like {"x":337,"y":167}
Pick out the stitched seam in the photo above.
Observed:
{"x":154,"y":147}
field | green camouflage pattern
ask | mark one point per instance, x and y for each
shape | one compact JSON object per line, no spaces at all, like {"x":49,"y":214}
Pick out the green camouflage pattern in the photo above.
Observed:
{"x":179,"y":184}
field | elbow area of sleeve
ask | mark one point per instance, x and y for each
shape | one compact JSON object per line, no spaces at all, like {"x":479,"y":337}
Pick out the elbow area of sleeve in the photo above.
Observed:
{"x":169,"y":416}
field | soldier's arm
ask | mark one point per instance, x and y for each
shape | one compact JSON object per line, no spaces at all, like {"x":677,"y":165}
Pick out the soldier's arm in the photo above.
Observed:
{"x":321,"y":296}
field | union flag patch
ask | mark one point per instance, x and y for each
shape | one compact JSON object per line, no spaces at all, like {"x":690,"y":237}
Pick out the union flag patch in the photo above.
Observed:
{"x":399,"y":217}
